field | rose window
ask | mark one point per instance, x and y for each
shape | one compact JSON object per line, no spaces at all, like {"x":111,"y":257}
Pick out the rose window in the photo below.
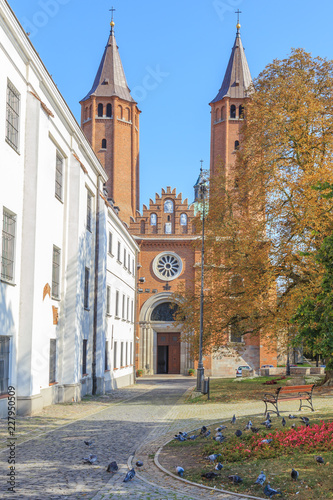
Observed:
{"x":167,"y":266}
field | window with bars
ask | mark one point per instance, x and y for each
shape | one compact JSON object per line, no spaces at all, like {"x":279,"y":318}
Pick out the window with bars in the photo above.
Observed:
{"x":89,"y":205}
{"x":53,"y":362}
{"x":106,"y":358}
{"x":115,"y":359}
{"x":86,"y":287}
{"x":58,"y":176}
{"x":12,"y":116}
{"x":4,"y":364}
{"x":8,"y":245}
{"x":117,"y":304}
{"x":84,"y":357}
{"x":108,"y":300}
{"x":110,"y":243}
{"x":56,"y":273}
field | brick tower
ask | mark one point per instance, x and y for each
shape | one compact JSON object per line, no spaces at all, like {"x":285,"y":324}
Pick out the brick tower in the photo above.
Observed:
{"x":227,"y":111}
{"x":110,"y":121}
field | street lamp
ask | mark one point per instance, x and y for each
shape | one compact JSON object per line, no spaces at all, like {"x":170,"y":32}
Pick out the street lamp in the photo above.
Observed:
{"x":202,"y":191}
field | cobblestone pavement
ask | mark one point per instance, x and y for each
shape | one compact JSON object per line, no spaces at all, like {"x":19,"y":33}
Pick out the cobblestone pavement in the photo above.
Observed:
{"x":131,"y":425}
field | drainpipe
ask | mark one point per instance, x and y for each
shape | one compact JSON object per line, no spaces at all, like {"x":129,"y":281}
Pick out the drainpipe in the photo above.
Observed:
{"x":94,"y":377}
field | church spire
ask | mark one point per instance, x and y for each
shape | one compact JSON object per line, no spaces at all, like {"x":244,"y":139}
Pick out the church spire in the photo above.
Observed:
{"x":110,"y":79}
{"x":237,"y":78}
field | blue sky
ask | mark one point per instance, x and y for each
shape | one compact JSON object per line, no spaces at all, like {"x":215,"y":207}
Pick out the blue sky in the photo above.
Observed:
{"x":185,"y":46}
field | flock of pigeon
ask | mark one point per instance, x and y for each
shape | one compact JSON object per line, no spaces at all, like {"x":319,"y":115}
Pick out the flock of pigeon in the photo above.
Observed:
{"x":219,"y":437}
{"x":112,"y":467}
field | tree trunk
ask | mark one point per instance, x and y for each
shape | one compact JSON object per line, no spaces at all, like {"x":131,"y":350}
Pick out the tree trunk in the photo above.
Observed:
{"x":328,"y":377}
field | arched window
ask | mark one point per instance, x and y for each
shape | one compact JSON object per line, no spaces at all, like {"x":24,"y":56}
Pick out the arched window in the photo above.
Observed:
{"x":222,"y":112}
{"x":120,"y":112}
{"x":168,"y":207}
{"x":236,"y":145}
{"x":90,"y":111}
{"x":103,"y":143}
{"x":241,"y":111}
{"x":108,"y":110}
{"x":128,"y":114}
{"x":217,"y":115}
{"x":142,"y":227}
{"x":236,"y":284}
{"x":232,"y":111}
{"x":183,"y":220}
{"x":100,"y":110}
{"x":153,"y":220}
{"x":85,"y":114}
{"x":236,"y":331}
{"x":164,"y":312}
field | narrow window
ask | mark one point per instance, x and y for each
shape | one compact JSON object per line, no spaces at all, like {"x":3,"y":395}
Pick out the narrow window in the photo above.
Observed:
{"x":108,"y":300}
{"x":115,"y":355}
{"x":12,"y":116}
{"x":183,"y":220}
{"x":217,"y":115}
{"x":103,"y":143}
{"x":56,"y":273}
{"x":109,"y":110}
{"x":142,"y":227}
{"x":84,"y":357}
{"x":236,"y":145}
{"x":129,"y":263}
{"x":235,"y":333}
{"x":85,"y":114}
{"x":8,"y":245}
{"x":100,"y":110}
{"x":153,"y":220}
{"x":232,"y":111}
{"x":86,"y":287}
{"x":123,"y":308}
{"x":168,"y":228}
{"x":128,"y":303}
{"x":126,"y":354}
{"x":241,"y":112}
{"x":128,"y":114}
{"x":59,"y":175}
{"x":131,"y":353}
{"x":4,"y":364}
{"x":53,"y":361}
{"x":168,"y":207}
{"x":106,"y":357}
{"x":133,"y":267}
{"x":132,"y":311}
{"x":89,"y":198}
{"x":125,"y":257}
{"x":119,"y":251}
{"x":120,"y":112}
{"x":117,"y":304}
{"x":90,"y":111}
{"x":121,"y":354}
{"x":110,"y":243}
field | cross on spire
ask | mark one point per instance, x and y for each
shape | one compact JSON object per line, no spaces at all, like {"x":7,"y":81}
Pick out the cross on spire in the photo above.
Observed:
{"x":201,"y":161}
{"x":112,"y":22}
{"x":238,"y":12}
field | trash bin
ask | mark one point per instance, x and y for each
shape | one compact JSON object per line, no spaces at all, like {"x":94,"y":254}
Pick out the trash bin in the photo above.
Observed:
{"x":205,"y":386}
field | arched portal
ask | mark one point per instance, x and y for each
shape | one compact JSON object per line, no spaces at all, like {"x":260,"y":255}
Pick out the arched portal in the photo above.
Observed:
{"x":160,"y":347}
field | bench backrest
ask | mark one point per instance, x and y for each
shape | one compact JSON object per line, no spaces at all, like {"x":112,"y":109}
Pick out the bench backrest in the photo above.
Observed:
{"x":295,"y":388}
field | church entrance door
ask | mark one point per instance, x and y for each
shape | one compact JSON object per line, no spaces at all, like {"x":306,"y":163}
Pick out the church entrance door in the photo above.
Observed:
{"x":168,"y":353}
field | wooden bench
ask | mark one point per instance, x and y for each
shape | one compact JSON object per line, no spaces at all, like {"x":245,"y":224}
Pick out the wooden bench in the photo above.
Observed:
{"x":289,"y":393}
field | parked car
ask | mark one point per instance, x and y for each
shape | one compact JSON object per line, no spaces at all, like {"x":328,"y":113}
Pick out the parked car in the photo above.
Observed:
{"x":267,"y":366}
{"x":240,"y":368}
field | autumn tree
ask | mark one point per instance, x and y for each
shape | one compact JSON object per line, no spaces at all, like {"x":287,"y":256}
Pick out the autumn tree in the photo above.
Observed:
{"x":262,"y":234}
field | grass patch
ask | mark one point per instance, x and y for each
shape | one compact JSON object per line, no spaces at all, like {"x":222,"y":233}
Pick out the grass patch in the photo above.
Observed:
{"x":315,"y":481}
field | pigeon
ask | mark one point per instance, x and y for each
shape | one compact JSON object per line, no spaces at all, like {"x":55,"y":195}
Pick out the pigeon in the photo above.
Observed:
{"x":267,"y":422}
{"x":305,"y":420}
{"x":180,"y":471}
{"x":180,"y":437}
{"x":268,"y":425}
{"x":319,"y":459}
{"x":213,"y":457}
{"x":206,"y":435}
{"x":91,"y":459}
{"x":291,"y":416}
{"x":266,"y":441}
{"x":268,"y":417}
{"x":255,"y":429}
{"x":235,"y":479}
{"x":203,"y":429}
{"x":193,"y":437}
{"x":139,"y":463}
{"x":294,"y":474}
{"x":130,"y":474}
{"x":293,"y":426}
{"x":283,"y":422}
{"x":233,"y":420}
{"x":209,"y":475}
{"x":112,"y":467}
{"x":218,"y":466}
{"x":221,"y":428}
{"x":269,"y":492}
{"x":219,"y":439}
{"x":88,"y":443}
{"x":238,"y":433}
{"x":248,"y":425}
{"x":261,"y":478}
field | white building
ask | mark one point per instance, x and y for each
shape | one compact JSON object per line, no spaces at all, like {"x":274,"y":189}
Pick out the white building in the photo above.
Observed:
{"x":61,"y":333}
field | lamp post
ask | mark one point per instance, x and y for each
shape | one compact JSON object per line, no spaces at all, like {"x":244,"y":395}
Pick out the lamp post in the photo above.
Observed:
{"x":202,"y":194}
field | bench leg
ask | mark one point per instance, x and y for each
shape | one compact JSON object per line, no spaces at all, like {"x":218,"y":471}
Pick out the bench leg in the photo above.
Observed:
{"x":301,"y":405}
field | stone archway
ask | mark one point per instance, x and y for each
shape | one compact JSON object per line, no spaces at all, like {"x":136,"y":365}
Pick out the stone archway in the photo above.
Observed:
{"x":160,"y":338}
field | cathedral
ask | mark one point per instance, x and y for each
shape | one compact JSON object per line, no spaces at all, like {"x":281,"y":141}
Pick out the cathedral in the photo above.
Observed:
{"x":164,"y":230}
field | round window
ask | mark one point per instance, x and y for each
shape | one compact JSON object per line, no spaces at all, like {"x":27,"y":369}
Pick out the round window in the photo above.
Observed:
{"x":167,"y":266}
